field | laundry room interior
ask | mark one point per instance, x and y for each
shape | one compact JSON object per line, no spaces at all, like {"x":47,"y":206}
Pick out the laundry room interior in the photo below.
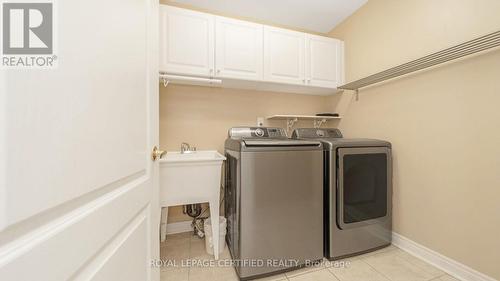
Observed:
{"x":217,"y":140}
{"x":430,"y":117}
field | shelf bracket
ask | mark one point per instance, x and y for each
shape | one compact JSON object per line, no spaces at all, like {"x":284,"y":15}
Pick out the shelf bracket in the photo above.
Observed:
{"x":317,"y":123}
{"x":356,"y":94}
{"x":165,"y":81}
{"x":289,"y":123}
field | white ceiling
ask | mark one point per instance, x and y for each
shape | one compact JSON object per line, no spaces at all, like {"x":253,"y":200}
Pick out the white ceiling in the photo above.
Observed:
{"x":315,"y":15}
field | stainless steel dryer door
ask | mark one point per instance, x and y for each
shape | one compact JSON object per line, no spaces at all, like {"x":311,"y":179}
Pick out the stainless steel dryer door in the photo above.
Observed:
{"x":364,"y":186}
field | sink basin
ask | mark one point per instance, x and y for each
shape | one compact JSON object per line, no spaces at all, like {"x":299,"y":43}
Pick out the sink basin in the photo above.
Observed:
{"x":191,"y":178}
{"x":195,"y":156}
{"x":188,"y":178}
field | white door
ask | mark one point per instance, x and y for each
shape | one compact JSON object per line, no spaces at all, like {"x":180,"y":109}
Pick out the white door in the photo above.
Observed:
{"x":186,"y":41}
{"x":78,"y":189}
{"x":324,"y":63}
{"x":283,"y":55}
{"x":238,"y":49}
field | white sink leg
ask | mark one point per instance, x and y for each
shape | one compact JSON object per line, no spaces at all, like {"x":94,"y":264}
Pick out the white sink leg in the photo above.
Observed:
{"x":163,"y":224}
{"x":214,"y":217}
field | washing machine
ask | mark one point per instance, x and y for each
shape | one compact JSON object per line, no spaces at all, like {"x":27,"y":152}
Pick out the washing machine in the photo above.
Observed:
{"x":273,"y":198}
{"x":357,"y":178}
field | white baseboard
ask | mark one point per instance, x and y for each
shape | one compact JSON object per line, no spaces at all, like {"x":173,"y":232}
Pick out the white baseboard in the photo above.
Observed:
{"x":179,"y":227}
{"x":450,"y":266}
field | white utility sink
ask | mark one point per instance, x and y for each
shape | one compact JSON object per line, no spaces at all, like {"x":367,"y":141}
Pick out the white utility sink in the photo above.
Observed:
{"x":190,"y":178}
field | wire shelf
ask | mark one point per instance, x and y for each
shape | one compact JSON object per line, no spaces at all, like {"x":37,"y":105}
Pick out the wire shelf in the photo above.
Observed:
{"x":477,"y":45}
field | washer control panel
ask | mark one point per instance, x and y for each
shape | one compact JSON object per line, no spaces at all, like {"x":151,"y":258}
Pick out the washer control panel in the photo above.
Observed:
{"x":258,"y":132}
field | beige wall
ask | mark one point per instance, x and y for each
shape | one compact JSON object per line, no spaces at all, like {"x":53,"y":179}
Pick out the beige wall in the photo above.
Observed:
{"x":444,"y":123}
{"x":201,"y":116}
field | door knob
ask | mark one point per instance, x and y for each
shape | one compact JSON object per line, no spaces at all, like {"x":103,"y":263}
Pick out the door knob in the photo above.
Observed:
{"x":157,"y":154}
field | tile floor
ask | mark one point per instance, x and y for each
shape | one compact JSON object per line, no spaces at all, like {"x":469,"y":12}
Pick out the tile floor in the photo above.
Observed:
{"x":388,"y":264}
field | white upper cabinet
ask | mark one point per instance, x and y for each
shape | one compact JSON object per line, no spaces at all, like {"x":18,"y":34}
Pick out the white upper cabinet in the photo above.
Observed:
{"x":238,"y":49}
{"x":241,"y":54}
{"x":186,"y":41}
{"x":284,"y":56}
{"x":324,"y":61}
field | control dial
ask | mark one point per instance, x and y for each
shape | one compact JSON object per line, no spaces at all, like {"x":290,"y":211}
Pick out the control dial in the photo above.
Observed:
{"x":259,"y":132}
{"x":320,"y":133}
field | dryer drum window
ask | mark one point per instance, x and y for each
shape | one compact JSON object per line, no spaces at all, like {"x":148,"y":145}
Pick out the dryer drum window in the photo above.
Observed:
{"x":364,"y":186}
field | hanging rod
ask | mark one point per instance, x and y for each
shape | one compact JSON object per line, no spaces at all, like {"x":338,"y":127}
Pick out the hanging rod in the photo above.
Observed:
{"x":477,"y":45}
{"x":166,"y":78}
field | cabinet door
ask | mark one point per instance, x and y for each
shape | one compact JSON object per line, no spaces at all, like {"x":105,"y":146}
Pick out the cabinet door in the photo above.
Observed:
{"x":186,"y":41}
{"x":238,"y":49}
{"x":283,"y":55}
{"x":324,"y":61}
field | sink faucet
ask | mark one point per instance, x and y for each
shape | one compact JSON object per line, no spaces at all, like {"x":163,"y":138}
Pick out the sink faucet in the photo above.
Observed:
{"x":186,"y":148}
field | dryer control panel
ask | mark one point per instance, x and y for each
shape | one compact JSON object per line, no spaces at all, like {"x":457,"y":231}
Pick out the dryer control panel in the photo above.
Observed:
{"x":257,"y":132}
{"x":314,"y":133}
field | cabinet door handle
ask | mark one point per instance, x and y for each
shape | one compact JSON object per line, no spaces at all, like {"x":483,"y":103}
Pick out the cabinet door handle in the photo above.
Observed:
{"x":218,"y":70}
